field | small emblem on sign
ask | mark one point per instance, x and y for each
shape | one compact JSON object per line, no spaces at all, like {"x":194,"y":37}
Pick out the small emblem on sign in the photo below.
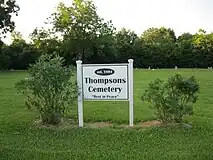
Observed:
{"x":104,"y":72}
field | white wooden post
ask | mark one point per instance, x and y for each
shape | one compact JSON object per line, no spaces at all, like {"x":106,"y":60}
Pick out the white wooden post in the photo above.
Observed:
{"x":131,"y":109}
{"x":80,"y":93}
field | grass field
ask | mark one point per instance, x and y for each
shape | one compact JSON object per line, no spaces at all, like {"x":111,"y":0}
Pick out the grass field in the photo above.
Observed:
{"x":20,"y":139}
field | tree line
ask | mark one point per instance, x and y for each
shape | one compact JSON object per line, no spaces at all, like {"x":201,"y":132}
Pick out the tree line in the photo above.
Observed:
{"x":78,"y":32}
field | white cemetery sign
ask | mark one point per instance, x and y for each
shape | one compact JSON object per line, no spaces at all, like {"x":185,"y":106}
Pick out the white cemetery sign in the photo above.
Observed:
{"x":105,"y":82}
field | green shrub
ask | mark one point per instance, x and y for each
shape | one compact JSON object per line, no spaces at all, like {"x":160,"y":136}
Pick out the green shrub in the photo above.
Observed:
{"x":49,"y":88}
{"x":172,"y":99}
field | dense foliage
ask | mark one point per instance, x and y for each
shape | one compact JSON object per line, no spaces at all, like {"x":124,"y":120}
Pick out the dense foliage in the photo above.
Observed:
{"x":7,"y":9}
{"x":78,"y":32}
{"x":49,"y":88}
{"x":172,"y":99}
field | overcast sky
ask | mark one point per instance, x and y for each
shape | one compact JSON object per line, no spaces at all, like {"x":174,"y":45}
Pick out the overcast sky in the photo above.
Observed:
{"x":137,"y":15}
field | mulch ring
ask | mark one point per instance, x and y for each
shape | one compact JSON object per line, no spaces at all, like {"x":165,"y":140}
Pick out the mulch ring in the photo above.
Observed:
{"x":140,"y":125}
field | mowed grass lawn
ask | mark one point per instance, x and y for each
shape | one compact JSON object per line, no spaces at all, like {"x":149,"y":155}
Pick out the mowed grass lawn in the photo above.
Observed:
{"x":20,"y":139}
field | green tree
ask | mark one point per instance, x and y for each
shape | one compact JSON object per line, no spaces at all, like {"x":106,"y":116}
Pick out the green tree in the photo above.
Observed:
{"x":125,"y":43}
{"x":4,"y":58}
{"x":81,"y":27}
{"x":46,"y":41}
{"x":104,"y":50}
{"x":7,"y":9}
{"x":158,"y":35}
{"x":19,"y":54}
{"x":202,"y":49}
{"x":159,"y":44}
{"x":183,"y":51}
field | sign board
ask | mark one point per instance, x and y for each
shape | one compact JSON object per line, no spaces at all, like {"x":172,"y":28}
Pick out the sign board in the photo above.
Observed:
{"x":105,"y":82}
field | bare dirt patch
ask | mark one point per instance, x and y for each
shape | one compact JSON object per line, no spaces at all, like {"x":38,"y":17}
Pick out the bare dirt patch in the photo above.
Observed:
{"x":99,"y":125}
{"x":150,"y":123}
{"x":142,"y":125}
{"x":71,"y":124}
{"x":64,"y":124}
